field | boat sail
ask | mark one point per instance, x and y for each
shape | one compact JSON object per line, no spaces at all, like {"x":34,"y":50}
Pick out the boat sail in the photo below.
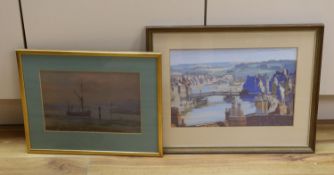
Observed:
{"x":82,"y":112}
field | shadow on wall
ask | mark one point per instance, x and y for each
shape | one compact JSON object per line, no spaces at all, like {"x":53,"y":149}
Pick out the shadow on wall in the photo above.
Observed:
{"x":10,"y":111}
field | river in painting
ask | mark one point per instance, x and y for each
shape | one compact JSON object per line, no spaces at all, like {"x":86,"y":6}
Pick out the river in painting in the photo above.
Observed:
{"x":215,"y":109}
{"x":233,"y":87}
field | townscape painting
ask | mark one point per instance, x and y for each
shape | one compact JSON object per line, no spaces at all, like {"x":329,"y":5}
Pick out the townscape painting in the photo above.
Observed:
{"x":91,"y":101}
{"x":232,"y":87}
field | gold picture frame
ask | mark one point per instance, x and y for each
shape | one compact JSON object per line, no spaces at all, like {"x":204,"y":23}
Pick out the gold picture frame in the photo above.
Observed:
{"x":85,"y":55}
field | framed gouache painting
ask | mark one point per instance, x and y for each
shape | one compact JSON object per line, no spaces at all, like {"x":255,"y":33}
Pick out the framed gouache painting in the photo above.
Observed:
{"x":233,"y":89}
{"x":80,"y":102}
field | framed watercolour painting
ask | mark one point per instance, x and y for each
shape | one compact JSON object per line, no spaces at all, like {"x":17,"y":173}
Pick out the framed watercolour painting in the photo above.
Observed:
{"x":232,"y":89}
{"x":81,"y":102}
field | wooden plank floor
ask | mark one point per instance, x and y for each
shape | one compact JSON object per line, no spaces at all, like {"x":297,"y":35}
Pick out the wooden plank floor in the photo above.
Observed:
{"x":14,"y":160}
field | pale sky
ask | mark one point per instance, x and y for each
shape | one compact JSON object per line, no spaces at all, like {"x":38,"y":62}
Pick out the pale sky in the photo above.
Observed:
{"x":99,"y":87}
{"x":178,"y":56}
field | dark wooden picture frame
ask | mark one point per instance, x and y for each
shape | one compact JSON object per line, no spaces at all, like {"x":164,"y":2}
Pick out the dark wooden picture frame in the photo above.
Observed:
{"x":319,"y":32}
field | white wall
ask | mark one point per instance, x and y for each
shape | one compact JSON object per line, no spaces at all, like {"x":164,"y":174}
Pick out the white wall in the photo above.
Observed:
{"x":103,"y":24}
{"x":10,"y":39}
{"x":119,"y":25}
{"x":326,"y":107}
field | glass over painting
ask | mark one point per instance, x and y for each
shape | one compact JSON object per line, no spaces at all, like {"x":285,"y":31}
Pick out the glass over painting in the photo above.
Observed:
{"x":232,"y":87}
{"x":91,"y":101}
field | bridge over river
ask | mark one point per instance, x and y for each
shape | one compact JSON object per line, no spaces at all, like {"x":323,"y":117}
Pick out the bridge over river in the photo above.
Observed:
{"x":214,"y":93}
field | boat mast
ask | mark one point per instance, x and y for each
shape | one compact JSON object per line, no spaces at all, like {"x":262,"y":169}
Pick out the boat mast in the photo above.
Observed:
{"x":80,"y":96}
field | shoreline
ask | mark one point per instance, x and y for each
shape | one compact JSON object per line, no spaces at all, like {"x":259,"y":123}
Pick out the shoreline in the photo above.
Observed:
{"x":254,"y":120}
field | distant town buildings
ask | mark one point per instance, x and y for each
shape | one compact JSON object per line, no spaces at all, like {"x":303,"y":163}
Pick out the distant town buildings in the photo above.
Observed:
{"x":182,"y":86}
{"x":234,"y":116}
{"x":271,"y":94}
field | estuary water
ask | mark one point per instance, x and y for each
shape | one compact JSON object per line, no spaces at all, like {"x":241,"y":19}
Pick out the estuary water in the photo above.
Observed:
{"x":214,"y":111}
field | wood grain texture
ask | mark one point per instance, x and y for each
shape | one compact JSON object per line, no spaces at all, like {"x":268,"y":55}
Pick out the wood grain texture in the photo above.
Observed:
{"x":43,"y":165}
{"x":217,"y":164}
{"x":14,"y":160}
